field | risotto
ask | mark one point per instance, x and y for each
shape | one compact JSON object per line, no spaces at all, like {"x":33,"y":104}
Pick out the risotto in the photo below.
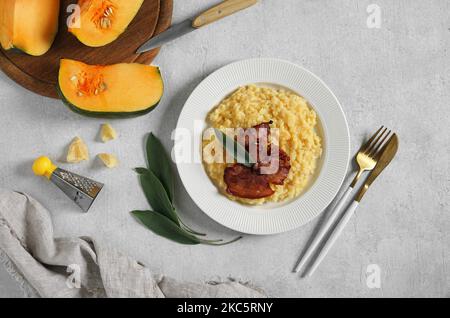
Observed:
{"x":297,"y":123}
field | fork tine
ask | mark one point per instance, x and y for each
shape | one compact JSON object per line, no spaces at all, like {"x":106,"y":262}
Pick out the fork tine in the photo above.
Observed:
{"x":369,"y":142}
{"x":375,"y":142}
{"x":375,"y":152}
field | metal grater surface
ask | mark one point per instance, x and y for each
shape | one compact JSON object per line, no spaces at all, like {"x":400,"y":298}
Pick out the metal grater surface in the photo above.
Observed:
{"x":81,"y":190}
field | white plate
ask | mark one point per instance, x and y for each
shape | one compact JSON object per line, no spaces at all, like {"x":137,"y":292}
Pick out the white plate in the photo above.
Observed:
{"x":267,"y":219}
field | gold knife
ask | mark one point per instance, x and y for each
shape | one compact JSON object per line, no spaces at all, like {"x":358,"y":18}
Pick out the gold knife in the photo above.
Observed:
{"x":387,"y":154}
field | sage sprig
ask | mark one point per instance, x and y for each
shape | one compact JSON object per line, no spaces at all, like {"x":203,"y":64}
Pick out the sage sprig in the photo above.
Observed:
{"x":158,"y":186}
{"x":157,"y":196}
{"x":161,"y":168}
{"x":235,"y":149}
{"x":165,"y":227}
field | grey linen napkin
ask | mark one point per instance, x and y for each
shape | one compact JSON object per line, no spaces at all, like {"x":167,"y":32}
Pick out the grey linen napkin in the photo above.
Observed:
{"x":79,"y":267}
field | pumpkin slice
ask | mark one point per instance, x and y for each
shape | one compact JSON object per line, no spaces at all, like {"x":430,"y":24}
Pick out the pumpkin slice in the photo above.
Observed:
{"x":28,"y":25}
{"x":109,"y":160}
{"x":103,"y":21}
{"x":78,"y":151}
{"x":114,"y":91}
{"x":108,"y":133}
{"x":7,"y":23}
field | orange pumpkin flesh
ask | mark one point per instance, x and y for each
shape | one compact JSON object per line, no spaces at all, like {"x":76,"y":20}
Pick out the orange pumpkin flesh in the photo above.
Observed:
{"x":120,"y":90}
{"x":6,"y":23}
{"x":103,"y":21}
{"x":29,"y":25}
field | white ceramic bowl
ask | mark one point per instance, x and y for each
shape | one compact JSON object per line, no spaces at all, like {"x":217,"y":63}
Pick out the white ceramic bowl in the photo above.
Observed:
{"x":332,"y":168}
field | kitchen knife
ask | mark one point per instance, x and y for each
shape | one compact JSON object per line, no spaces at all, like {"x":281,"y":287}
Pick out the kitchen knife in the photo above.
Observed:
{"x":214,"y":14}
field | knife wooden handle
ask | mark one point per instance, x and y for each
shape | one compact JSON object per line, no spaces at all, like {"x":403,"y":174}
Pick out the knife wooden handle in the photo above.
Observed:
{"x":221,"y":11}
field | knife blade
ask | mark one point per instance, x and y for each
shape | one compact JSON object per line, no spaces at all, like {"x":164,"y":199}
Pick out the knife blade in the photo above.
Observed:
{"x":171,"y":34}
{"x":387,"y":154}
{"x":216,"y":13}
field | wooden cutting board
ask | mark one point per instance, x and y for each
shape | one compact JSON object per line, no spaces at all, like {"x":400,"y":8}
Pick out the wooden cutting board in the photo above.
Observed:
{"x":40,"y":74}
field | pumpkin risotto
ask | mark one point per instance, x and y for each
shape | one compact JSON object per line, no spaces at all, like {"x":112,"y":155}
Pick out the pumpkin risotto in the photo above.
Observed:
{"x":296,"y":121}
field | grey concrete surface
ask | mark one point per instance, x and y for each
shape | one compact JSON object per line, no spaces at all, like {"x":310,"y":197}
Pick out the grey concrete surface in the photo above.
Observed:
{"x":397,"y":75}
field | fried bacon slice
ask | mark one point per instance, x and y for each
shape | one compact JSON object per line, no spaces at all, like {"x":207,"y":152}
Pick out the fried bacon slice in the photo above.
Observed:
{"x":254,"y":182}
{"x":282,"y":162}
{"x":255,"y":135}
{"x":244,"y":182}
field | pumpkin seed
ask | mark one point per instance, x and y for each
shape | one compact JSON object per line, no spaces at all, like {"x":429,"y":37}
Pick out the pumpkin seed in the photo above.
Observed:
{"x":108,"y":11}
{"x":105,"y":23}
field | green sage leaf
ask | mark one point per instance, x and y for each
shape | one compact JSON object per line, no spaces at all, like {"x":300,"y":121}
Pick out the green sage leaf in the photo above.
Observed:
{"x":234,"y":148}
{"x":157,"y":184}
{"x":159,"y":163}
{"x":157,"y":196}
{"x":164,"y":227}
{"x":141,"y":170}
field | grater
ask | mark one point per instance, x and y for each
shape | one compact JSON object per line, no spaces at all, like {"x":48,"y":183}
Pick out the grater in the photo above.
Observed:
{"x":83,"y":191}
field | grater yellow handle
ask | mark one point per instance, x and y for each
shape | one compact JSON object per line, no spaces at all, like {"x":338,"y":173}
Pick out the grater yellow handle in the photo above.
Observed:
{"x":43,"y":166}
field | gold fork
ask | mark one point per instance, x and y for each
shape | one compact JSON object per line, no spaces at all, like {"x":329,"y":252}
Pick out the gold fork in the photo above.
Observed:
{"x":366,"y":159}
{"x":369,"y":152}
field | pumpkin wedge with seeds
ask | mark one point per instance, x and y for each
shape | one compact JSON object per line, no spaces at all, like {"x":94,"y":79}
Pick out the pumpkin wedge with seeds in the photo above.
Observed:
{"x":110,"y":91}
{"x":103,"y":21}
